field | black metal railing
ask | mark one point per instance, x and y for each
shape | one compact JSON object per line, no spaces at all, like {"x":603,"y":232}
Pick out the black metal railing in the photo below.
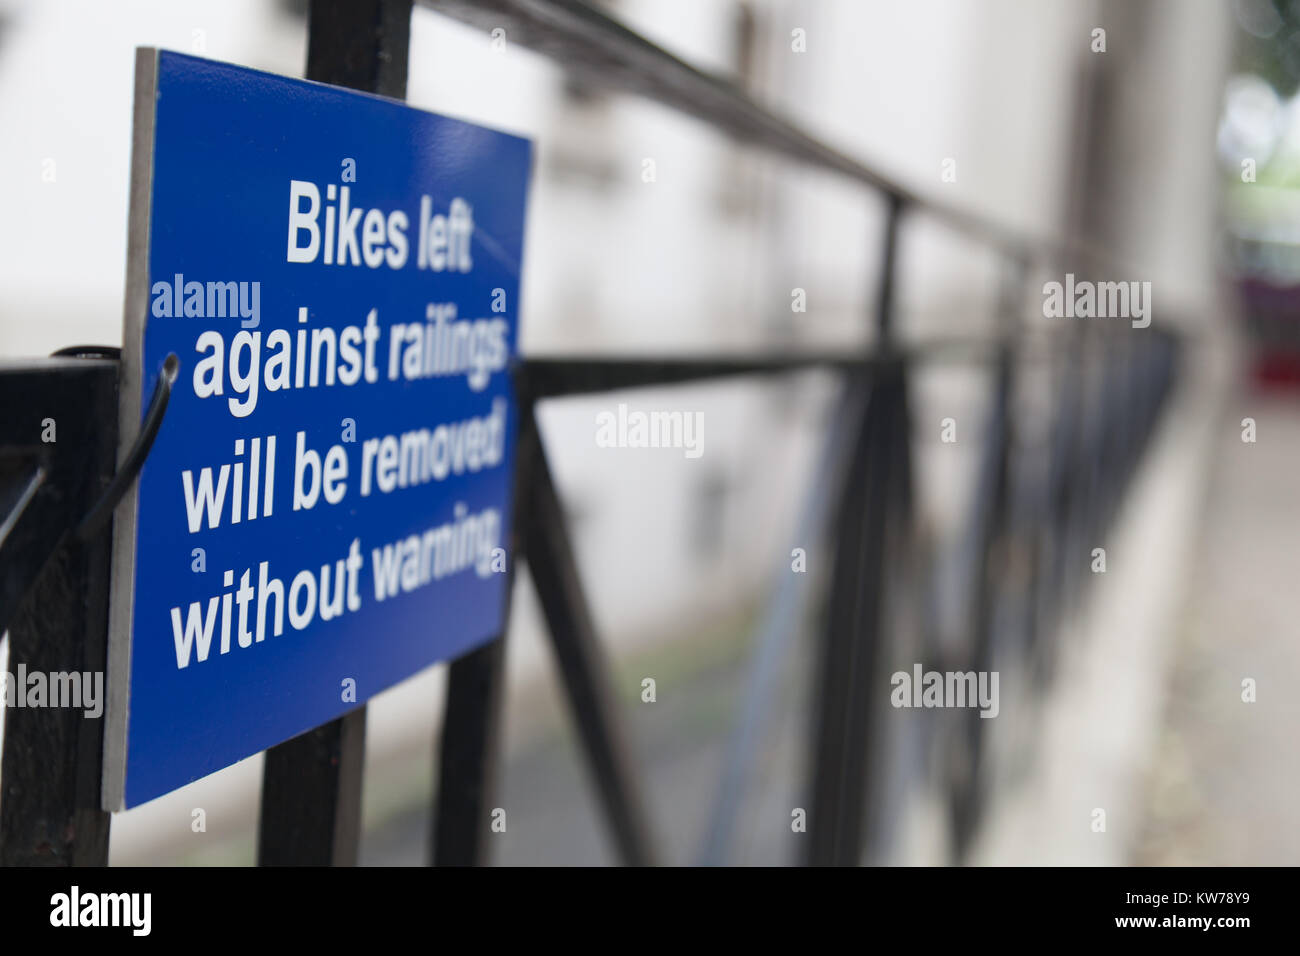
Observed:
{"x":1109,"y":390}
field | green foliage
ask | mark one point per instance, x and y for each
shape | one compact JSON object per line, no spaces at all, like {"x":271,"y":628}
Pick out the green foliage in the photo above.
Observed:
{"x":1275,"y":57}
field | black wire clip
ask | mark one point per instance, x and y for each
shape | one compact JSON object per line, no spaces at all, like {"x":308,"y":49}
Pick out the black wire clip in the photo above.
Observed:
{"x":98,"y":516}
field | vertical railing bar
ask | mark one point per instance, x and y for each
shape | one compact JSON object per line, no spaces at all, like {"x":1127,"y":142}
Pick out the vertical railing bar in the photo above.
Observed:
{"x":990,"y":515}
{"x":855,"y":602}
{"x":1062,"y":489}
{"x":469,"y":743}
{"x":467,"y":756}
{"x":1086,"y":468}
{"x":311,"y":796}
{"x":52,"y":759}
{"x":311,"y":785}
{"x":871,"y":517}
{"x":885,"y":294}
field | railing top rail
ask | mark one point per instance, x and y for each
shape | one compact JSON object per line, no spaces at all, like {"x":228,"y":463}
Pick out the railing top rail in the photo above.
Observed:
{"x":600,"y":49}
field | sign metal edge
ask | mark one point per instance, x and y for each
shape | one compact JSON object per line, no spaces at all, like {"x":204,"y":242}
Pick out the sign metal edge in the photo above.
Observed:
{"x":130,"y":391}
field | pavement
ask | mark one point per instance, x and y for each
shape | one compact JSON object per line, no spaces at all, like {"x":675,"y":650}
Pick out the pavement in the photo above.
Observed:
{"x":1224,"y":787}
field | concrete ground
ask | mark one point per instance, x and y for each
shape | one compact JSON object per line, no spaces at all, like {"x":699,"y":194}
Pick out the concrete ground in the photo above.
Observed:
{"x":1146,"y":720}
{"x":1224,"y":787}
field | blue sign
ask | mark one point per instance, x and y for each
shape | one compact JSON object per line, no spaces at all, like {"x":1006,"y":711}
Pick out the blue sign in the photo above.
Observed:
{"x":325,"y":509}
